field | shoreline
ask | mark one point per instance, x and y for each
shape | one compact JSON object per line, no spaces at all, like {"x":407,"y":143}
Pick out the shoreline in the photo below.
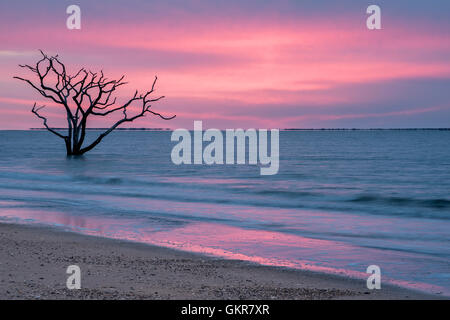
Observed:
{"x":34,"y":259}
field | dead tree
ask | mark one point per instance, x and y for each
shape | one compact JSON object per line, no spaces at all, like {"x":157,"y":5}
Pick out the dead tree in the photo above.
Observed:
{"x":82,"y":95}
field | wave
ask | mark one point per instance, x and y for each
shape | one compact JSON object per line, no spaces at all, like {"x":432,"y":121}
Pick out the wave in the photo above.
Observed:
{"x":286,"y":193}
{"x":438,"y":203}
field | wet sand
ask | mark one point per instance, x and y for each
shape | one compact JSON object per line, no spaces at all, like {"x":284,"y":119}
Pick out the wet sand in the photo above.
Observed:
{"x":34,"y":259}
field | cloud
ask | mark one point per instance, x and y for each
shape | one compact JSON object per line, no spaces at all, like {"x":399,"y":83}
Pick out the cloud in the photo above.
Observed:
{"x":251,"y":63}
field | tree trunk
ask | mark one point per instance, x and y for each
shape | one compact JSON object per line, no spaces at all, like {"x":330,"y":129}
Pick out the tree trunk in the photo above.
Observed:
{"x":68,"y":146}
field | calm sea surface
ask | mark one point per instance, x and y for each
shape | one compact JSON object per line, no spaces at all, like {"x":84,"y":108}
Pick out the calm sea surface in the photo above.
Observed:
{"x":342,"y":200}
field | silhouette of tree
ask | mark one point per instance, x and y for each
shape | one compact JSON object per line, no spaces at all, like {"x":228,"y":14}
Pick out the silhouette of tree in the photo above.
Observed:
{"x":82,"y":95}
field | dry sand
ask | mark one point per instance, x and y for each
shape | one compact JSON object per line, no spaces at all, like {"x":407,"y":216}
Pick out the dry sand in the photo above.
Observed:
{"x":33,"y":262}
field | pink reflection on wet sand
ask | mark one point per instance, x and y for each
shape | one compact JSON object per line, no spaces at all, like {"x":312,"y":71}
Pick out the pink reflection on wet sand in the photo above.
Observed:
{"x":256,"y":246}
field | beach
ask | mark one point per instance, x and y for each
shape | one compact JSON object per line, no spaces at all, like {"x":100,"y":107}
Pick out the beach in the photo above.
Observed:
{"x":34,"y":259}
{"x":329,"y":210}
{"x":225,"y":150}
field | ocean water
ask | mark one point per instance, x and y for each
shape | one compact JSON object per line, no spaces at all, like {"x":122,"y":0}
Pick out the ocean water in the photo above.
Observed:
{"x":342,"y":200}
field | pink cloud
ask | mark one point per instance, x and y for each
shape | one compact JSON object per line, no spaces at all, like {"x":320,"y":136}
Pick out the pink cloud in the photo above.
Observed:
{"x":244,"y":64}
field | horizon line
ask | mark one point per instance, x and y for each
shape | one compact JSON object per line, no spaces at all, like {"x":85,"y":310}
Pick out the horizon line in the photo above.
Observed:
{"x":281,"y":129}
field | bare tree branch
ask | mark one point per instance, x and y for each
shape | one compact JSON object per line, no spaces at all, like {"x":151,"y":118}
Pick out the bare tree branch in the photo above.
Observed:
{"x":35,"y":110}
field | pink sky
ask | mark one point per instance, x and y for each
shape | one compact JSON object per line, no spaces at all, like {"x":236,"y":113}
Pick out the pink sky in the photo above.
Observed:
{"x":260,"y":68}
